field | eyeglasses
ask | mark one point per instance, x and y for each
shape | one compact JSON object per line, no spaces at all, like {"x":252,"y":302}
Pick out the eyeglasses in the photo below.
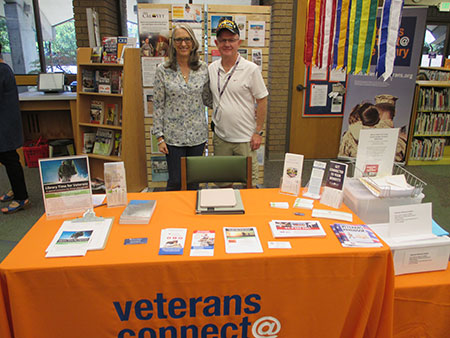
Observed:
{"x":224,"y":41}
{"x":178,"y":41}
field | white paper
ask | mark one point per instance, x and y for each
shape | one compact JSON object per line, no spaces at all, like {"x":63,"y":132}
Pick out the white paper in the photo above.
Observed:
{"x":318,"y":96}
{"x":336,"y":103}
{"x":256,"y":33}
{"x":242,"y":240}
{"x":241,"y":22}
{"x":332,"y":214}
{"x":279,"y":245}
{"x":153,"y":20}
{"x":279,"y":205}
{"x":292,"y":174}
{"x":97,"y":199}
{"x":203,"y":243}
{"x":410,"y":220}
{"x":149,"y":65}
{"x":315,"y":182}
{"x":376,"y":152}
{"x":148,"y":102}
{"x":318,"y":74}
{"x":70,"y":243}
{"x":338,"y":75}
{"x":304,"y":203}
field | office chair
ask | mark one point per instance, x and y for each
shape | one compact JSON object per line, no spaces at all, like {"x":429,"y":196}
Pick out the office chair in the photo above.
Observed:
{"x":204,"y":169}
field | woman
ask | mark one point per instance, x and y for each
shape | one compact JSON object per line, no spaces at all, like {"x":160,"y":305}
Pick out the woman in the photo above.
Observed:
{"x":181,"y":86}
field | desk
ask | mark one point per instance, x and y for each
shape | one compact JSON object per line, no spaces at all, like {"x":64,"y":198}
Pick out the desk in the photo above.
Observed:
{"x":422,"y":305}
{"x":316,"y":289}
{"x":51,"y":115}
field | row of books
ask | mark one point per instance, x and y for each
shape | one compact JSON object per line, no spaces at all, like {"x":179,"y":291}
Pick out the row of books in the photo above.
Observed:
{"x":112,"y":49}
{"x":434,"y":99}
{"x":104,"y":142}
{"x":427,"y":149}
{"x":436,"y":75}
{"x":102,"y":81}
{"x":109,"y":114}
{"x":432,"y":124}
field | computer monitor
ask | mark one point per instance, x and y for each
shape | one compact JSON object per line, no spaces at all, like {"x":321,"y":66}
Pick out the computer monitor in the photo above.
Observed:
{"x":51,"y":82}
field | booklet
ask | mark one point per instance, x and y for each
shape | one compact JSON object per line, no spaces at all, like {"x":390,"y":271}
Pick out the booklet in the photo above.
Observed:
{"x":242,"y":240}
{"x":172,"y":241}
{"x":203,"y":243}
{"x":359,"y":235}
{"x":292,"y":174}
{"x":281,"y":228}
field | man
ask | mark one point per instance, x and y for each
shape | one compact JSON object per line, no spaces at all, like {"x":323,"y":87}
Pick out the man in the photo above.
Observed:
{"x":11,"y":138}
{"x":236,"y":85}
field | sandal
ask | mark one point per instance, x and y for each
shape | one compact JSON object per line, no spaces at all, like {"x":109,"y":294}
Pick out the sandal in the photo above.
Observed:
{"x":15,"y":206}
{"x":9,"y":196}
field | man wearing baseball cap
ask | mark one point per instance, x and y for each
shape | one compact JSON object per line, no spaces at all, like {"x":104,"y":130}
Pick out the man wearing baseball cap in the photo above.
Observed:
{"x":240,"y":98}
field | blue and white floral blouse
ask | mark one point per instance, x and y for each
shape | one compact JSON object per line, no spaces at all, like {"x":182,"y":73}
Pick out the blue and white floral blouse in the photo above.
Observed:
{"x":179,"y":112}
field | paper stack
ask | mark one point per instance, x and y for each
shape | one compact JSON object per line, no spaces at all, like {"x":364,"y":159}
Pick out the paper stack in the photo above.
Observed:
{"x":138,"y":212}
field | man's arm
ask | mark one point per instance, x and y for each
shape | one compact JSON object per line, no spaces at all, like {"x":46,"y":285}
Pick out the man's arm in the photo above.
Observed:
{"x":261,"y":111}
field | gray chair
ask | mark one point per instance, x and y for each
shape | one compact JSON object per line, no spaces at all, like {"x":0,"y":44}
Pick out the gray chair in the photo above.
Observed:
{"x":205,"y":169}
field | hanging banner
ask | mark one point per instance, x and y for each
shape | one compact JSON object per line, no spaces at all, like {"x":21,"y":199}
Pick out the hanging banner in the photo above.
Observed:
{"x":375,"y":103}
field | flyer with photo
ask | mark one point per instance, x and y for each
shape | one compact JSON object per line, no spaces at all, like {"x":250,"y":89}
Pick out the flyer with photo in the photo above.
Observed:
{"x":242,"y":240}
{"x":172,"y":241}
{"x":66,"y":186}
{"x":203,"y":243}
{"x":281,"y":228}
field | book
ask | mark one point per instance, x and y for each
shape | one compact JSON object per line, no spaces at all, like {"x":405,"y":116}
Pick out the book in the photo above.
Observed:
{"x":103,"y":80}
{"x":104,"y":142}
{"x":96,"y":54}
{"x":117,"y":149}
{"x":112,"y":114}
{"x":88,"y":142}
{"x":116,"y":81}
{"x":97,"y":112}
{"x":281,"y":228}
{"x":138,"y":212}
{"x":109,"y":45}
{"x":124,"y":42}
{"x":237,"y":208}
{"x":88,"y":80}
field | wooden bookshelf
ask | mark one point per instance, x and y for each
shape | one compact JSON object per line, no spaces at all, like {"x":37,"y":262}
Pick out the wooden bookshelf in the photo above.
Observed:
{"x":132,"y":126}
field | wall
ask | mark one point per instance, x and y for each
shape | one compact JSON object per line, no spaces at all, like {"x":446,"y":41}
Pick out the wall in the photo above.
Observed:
{"x":282,"y":39}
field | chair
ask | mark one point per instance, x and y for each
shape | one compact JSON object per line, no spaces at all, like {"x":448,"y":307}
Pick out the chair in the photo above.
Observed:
{"x":204,"y":169}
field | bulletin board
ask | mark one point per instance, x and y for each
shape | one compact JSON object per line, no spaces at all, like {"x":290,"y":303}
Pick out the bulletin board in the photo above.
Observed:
{"x":324,"y":95}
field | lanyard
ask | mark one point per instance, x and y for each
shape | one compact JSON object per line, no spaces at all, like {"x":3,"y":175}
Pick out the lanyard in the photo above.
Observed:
{"x":228,"y":78}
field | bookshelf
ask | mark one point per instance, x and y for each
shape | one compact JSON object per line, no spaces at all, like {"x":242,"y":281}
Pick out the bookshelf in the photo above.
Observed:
{"x":429,"y":137}
{"x":131,"y":128}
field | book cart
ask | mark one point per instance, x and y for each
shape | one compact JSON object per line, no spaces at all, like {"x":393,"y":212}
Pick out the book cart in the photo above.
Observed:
{"x":131,"y":119}
{"x":428,"y":142}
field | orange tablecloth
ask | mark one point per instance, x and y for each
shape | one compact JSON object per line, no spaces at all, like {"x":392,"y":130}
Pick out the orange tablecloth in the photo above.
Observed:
{"x":315,"y":289}
{"x":422,"y":305}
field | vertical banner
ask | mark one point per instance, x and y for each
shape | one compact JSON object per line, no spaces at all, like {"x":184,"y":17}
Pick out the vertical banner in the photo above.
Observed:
{"x":375,"y":103}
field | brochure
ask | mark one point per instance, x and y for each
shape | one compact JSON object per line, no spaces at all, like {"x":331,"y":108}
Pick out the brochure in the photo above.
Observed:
{"x":66,"y":187}
{"x":242,"y":240}
{"x":359,"y":235}
{"x":333,"y":192}
{"x":172,"y":241}
{"x":282,"y":228}
{"x":115,"y":184}
{"x":292,"y":174}
{"x":203,"y":243}
{"x":315,"y":182}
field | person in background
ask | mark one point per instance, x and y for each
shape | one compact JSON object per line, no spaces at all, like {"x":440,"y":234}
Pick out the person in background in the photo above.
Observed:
{"x":239,"y":96}
{"x":11,"y":138}
{"x":180,"y":90}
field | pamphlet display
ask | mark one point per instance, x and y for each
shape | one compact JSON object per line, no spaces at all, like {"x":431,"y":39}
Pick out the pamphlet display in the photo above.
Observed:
{"x":376,"y":152}
{"x":66,"y":186}
{"x":115,"y":184}
{"x":172,"y":241}
{"x":315,"y":182}
{"x":242,"y":240}
{"x":333,"y":191}
{"x":292,"y":174}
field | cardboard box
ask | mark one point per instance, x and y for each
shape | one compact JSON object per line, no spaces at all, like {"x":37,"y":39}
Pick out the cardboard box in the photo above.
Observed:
{"x":418,"y":255}
{"x":371,"y":209}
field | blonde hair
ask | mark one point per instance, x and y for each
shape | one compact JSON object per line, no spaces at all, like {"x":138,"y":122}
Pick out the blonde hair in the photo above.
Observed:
{"x":194,"y":59}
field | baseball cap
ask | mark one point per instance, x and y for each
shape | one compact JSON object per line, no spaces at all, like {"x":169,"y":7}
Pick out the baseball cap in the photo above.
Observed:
{"x":228,"y":25}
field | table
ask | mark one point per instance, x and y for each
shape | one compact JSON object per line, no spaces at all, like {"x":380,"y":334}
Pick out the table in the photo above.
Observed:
{"x":422,"y":305}
{"x":315,"y":289}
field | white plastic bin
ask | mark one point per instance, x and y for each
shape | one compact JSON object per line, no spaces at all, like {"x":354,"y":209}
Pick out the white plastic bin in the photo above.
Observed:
{"x":369,"y":208}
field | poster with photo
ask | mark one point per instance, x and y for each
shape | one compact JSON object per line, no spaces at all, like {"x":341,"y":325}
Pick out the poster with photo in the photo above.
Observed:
{"x":148,"y":102}
{"x":149,"y":65}
{"x":243,"y":52}
{"x":214,"y":22}
{"x":153,"y":31}
{"x":190,"y":14}
{"x":256,"y":33}
{"x":66,"y":186}
{"x":374,"y":103}
{"x":241,"y":22}
{"x":257,"y":58}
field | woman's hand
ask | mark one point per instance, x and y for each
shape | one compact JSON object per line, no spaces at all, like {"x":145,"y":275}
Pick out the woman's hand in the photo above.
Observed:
{"x":162,"y":147}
